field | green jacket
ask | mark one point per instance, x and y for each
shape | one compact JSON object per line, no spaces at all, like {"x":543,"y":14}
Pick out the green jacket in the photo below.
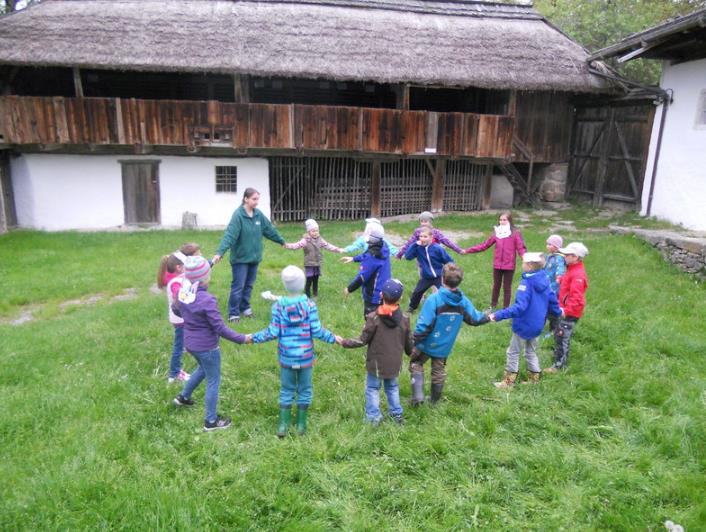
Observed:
{"x":243,"y":236}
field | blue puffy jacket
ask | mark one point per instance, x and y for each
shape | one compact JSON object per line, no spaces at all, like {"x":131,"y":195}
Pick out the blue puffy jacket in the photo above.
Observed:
{"x":431,"y":259}
{"x":532,"y":299}
{"x":440,"y":320}
{"x":373,"y":272}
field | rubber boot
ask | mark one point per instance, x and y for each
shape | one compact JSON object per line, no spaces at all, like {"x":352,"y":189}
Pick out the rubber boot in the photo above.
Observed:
{"x":508,"y":380}
{"x":302,"y":412}
{"x":436,"y":390}
{"x":533,"y":377}
{"x":417,"y":389}
{"x":285,"y":418}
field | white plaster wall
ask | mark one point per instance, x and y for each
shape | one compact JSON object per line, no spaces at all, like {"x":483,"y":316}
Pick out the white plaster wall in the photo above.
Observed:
{"x":59,"y":192}
{"x":680,"y":184}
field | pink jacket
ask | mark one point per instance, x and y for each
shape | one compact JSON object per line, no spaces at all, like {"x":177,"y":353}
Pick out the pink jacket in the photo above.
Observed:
{"x":505,"y":250}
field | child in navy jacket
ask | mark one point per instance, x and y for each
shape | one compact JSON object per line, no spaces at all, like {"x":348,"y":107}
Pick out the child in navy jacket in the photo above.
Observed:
{"x":534,"y":298}
{"x":431,"y":258}
{"x":438,"y":325}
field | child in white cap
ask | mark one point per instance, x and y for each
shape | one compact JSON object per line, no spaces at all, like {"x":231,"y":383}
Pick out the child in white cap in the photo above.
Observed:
{"x":572,"y":300}
{"x":312,"y":243}
{"x":533,"y":299}
{"x":295,"y":323}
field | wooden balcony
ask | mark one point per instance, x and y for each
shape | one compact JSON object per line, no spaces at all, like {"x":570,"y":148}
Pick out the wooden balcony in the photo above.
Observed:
{"x":60,"y":122}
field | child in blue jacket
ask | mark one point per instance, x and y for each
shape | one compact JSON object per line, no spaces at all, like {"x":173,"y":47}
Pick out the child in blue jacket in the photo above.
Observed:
{"x":373,"y":272}
{"x":436,"y":330}
{"x":431,"y":258}
{"x":534,"y":298}
{"x":295,"y":323}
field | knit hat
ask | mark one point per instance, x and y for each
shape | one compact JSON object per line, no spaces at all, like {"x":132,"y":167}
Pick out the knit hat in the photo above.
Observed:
{"x":375,"y":231}
{"x":555,"y":240}
{"x":575,"y":248}
{"x":426,"y":215}
{"x":532,"y":257}
{"x":392,"y":289}
{"x":196,"y":269}
{"x":311,"y":225}
{"x":373,"y":221}
{"x":293,"y":279}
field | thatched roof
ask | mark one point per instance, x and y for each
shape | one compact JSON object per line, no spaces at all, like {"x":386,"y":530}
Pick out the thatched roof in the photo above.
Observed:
{"x":441,"y":42}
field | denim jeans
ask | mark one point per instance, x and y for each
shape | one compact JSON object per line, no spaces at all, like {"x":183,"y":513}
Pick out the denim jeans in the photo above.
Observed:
{"x":209,"y":367}
{"x":517,"y":346}
{"x":562,"y":341}
{"x":244,"y":275}
{"x":177,"y":351}
{"x":295,"y":382}
{"x":372,"y":397}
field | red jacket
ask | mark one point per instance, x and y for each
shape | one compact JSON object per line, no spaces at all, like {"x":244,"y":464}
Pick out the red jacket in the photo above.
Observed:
{"x":505,"y":250}
{"x":572,"y":290}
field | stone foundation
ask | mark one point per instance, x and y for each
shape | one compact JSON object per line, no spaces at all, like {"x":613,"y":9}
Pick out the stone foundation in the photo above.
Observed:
{"x":553,"y":179}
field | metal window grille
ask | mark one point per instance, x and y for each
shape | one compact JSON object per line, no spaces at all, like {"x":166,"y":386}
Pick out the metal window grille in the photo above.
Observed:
{"x":226,"y":178}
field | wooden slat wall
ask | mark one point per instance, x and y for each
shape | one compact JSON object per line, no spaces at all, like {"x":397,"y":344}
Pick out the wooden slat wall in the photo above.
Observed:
{"x":543,"y":122}
{"x":111,"y":121}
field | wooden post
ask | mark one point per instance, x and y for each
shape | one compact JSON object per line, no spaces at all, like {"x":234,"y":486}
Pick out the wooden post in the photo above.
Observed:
{"x":487,"y":187}
{"x":78,"y":85}
{"x":437,"y":186}
{"x":375,"y":207}
{"x":512,"y":104}
{"x":241,"y":85}
{"x":402,"y":94}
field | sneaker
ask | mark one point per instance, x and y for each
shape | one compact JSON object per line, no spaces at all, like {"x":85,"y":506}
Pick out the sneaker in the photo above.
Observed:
{"x":551,"y":369}
{"x":183,"y":375}
{"x":220,"y":423}
{"x":399,"y":419}
{"x":248,"y":314}
{"x":180,"y":400}
{"x":234,"y":319}
{"x":171,"y":380}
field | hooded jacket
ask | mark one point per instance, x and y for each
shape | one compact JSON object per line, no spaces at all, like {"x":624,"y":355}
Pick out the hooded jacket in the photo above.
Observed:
{"x":386,"y":337}
{"x":203,"y":324}
{"x":533,"y":298}
{"x":572,"y":290}
{"x":295,"y":323}
{"x":373,"y":272}
{"x":431,"y":259}
{"x":440,"y":320}
{"x":243,"y":236}
{"x":505,"y":250}
{"x":437,"y":237}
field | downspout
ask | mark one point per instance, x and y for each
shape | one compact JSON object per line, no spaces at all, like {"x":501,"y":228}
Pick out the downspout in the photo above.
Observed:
{"x":653,"y":178}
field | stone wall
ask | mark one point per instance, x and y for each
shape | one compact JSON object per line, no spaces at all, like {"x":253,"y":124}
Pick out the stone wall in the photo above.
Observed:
{"x":686,"y":252}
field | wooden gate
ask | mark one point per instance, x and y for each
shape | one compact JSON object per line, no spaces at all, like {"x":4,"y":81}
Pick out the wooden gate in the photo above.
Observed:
{"x":609,"y":149}
{"x":141,"y":192}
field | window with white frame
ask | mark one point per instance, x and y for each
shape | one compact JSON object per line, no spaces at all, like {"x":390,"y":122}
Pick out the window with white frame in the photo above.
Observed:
{"x":701,"y":111}
{"x":226,"y":178}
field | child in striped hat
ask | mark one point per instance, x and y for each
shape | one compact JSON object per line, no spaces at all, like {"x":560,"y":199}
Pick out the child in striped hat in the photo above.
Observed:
{"x":203,"y":327}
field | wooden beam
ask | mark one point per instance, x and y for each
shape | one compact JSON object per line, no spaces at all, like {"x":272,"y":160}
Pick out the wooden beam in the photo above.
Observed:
{"x":241,"y":85}
{"x":437,"y":186}
{"x":78,"y":85}
{"x":375,"y":193}
{"x":402,"y":96}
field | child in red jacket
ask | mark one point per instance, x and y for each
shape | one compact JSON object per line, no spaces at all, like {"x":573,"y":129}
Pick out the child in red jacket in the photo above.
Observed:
{"x":508,"y":245}
{"x":572,"y":300}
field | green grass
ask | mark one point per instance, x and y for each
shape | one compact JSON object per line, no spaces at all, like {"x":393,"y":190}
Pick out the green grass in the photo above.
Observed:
{"x":90,"y":440}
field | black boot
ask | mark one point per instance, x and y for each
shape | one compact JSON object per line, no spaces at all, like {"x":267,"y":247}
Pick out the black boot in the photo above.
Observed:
{"x":436,"y":390}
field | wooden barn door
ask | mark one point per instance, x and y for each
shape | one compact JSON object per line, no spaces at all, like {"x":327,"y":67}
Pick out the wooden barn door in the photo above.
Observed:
{"x":141,"y":192}
{"x":609,"y":151}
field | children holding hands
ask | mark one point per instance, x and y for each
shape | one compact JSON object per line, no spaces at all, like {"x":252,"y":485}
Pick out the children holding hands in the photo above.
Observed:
{"x":431,"y":258}
{"x":425,"y":221}
{"x":387,"y":334}
{"x":533,"y":300}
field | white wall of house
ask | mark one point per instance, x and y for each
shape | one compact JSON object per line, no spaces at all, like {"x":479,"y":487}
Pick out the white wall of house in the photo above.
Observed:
{"x":58,"y":192}
{"x":680,"y":184}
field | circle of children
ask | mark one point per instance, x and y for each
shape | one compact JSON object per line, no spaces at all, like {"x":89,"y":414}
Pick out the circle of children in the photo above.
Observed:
{"x":552,"y":288}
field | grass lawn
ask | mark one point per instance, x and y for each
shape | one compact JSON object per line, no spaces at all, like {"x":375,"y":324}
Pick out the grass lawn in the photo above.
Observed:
{"x":90,"y":438}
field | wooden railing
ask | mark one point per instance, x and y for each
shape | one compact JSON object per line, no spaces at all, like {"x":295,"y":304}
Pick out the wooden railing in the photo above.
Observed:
{"x":52,"y":121}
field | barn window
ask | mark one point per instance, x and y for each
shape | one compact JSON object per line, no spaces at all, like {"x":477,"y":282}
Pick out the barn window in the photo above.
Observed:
{"x":701,"y":113}
{"x":226,"y":178}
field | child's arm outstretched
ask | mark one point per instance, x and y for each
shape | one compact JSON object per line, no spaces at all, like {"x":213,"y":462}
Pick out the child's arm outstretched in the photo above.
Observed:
{"x":216,"y":322}
{"x":482,"y":246}
{"x":330,"y":247}
{"x":411,"y":252}
{"x":471,"y":315}
{"x":412,"y":239}
{"x":522,"y":301}
{"x":273,"y":329}
{"x":365,"y":337}
{"x":296,"y":245}
{"x":446,"y":241}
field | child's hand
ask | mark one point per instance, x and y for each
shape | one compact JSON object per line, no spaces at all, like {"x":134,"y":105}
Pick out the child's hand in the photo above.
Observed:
{"x":345,"y":292}
{"x":491,"y":316}
{"x":248,"y":338}
{"x":463,"y":252}
{"x":216,"y":259}
{"x":339,"y":340}
{"x":419,"y":243}
{"x":346,"y":260}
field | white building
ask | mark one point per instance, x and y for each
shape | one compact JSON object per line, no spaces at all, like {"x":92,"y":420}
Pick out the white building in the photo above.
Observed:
{"x":675,"y":175}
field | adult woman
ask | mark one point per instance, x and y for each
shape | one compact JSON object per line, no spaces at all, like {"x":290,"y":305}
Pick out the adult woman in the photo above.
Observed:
{"x":243,"y":237}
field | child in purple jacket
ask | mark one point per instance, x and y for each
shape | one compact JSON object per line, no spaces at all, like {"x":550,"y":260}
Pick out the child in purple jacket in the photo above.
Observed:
{"x":508,"y":244}
{"x":425,"y":220}
{"x":203,"y":327}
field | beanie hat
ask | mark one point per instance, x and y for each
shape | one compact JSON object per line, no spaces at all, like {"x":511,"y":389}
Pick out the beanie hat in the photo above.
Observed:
{"x":426,"y":215}
{"x":392,"y":290}
{"x":555,"y":240}
{"x":373,"y":221}
{"x":376,"y":231}
{"x":196,"y":269}
{"x":311,"y":225}
{"x":293,"y":279}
